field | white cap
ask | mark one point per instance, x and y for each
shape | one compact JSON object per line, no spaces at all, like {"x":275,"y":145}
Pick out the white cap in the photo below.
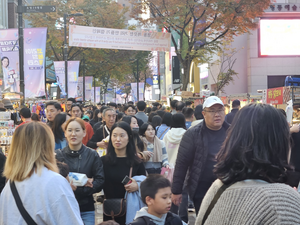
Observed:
{"x":212,"y":100}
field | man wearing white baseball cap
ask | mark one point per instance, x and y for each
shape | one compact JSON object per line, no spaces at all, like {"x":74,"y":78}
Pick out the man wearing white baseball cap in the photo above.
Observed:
{"x":196,"y":154}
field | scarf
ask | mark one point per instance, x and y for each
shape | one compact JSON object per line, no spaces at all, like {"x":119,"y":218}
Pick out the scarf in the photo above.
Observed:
{"x":157,"y":149}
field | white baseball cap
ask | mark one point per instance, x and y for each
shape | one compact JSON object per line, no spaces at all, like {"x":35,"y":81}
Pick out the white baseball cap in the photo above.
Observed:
{"x":212,"y":100}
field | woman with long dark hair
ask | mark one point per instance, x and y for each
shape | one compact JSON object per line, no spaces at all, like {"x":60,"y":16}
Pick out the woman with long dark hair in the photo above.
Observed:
{"x":96,"y":117}
{"x":141,"y":147}
{"x":156,"y":147}
{"x":121,"y":157}
{"x":251,"y":169}
{"x":58,"y":131}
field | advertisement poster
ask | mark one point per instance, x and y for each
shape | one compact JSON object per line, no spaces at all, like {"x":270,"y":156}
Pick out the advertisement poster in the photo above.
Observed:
{"x":9,"y":53}
{"x":88,"y":88}
{"x":134,"y":91}
{"x":97,"y":94}
{"x":59,"y":67}
{"x":92,"y":94}
{"x":79,"y":93}
{"x":34,"y":61}
{"x":99,"y":37}
{"x":73,"y":71}
{"x":141,"y":91}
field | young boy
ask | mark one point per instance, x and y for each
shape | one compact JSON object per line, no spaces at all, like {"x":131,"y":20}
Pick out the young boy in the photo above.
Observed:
{"x":156,"y":194}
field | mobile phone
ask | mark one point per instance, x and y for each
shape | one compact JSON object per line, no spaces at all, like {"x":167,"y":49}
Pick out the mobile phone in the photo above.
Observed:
{"x":126,"y":180}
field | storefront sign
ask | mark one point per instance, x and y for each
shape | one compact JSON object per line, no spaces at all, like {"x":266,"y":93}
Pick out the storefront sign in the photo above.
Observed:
{"x":275,"y":96}
{"x":99,"y":37}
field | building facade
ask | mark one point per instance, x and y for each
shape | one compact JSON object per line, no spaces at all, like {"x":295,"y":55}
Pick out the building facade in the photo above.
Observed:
{"x":255,"y":69}
{"x":3,"y":14}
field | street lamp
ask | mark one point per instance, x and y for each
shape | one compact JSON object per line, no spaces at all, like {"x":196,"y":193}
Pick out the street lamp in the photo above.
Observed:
{"x":66,"y":49}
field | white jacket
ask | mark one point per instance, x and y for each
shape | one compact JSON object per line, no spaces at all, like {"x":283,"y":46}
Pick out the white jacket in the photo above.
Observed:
{"x":172,"y":140}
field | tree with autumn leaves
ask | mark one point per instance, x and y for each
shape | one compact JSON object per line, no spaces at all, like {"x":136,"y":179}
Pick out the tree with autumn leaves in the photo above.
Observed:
{"x":201,"y":25}
{"x":104,"y":64}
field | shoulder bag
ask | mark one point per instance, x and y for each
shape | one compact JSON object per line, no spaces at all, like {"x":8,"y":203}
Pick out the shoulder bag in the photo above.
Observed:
{"x":214,"y":201}
{"x":20,"y":206}
{"x":163,"y":132}
{"x":115,"y":207}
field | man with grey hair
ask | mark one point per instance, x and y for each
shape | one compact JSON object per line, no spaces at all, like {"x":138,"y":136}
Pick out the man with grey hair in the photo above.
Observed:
{"x":109,"y":119}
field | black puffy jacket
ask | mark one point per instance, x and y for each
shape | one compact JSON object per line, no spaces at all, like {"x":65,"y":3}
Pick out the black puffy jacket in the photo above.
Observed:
{"x":86,"y":161}
{"x":191,"y":158}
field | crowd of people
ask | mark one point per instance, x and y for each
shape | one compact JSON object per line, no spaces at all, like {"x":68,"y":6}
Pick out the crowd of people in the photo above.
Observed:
{"x":152,"y":164}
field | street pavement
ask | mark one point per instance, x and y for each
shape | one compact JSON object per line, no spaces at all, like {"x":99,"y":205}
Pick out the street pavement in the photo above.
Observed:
{"x":99,"y":215}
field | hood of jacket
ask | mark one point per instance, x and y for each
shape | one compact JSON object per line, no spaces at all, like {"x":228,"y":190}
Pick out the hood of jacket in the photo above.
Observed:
{"x":154,"y":219}
{"x":175,"y":134}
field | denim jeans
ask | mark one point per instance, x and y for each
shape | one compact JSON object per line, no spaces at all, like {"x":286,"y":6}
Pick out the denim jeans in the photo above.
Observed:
{"x":88,"y":218}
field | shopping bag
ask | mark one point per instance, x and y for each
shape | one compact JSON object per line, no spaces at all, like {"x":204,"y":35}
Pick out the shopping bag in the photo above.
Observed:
{"x":167,"y":173}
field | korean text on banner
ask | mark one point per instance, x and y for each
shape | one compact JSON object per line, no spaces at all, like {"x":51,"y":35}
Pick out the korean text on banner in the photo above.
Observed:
{"x":59,"y":67}
{"x":275,"y":96}
{"x":96,"y":37}
{"x":73,"y":70}
{"x":34,"y":61}
{"x":97,"y":94}
{"x":88,"y":88}
{"x":9,"y":53}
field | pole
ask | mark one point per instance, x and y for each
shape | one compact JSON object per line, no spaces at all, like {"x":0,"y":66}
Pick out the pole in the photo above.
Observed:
{"x":116,"y":94}
{"x":83,"y":97}
{"x":94,"y":90}
{"x":21,"y":51}
{"x":65,"y":53}
{"x":137,"y":79}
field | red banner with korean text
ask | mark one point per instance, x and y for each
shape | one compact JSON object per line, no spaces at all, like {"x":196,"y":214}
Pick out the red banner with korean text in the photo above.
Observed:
{"x":275,"y":96}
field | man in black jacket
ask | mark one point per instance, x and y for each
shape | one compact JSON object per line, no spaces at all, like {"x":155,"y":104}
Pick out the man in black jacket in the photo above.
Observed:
{"x":196,"y":154}
{"x":236,"y":104}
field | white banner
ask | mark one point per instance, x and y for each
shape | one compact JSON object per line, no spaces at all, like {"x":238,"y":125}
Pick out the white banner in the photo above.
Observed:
{"x":96,"y":37}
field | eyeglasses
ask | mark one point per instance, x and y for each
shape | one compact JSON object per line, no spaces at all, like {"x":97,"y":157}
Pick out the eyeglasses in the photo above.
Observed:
{"x":214,"y":112}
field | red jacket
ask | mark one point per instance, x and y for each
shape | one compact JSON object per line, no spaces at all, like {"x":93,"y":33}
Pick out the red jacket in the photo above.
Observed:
{"x":89,"y":133}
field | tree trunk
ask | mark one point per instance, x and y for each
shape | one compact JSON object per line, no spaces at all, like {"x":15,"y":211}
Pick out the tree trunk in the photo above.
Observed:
{"x":186,"y":75}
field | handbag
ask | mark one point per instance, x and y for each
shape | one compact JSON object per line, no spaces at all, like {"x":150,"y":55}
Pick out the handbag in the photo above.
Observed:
{"x":20,"y":206}
{"x":115,"y":207}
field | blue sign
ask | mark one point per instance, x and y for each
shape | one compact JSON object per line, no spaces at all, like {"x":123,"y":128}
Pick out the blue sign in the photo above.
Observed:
{"x":109,"y":89}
